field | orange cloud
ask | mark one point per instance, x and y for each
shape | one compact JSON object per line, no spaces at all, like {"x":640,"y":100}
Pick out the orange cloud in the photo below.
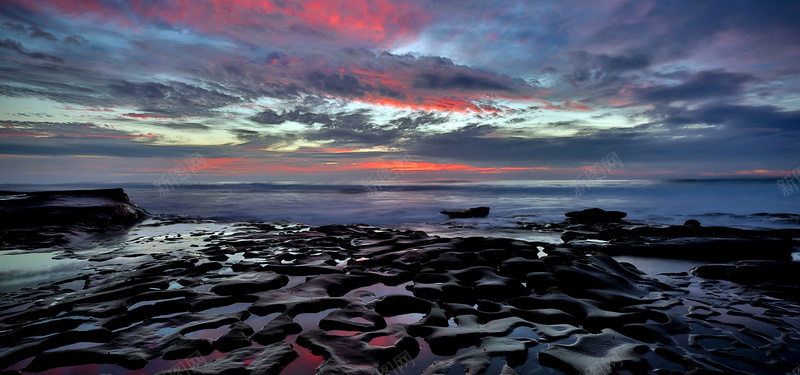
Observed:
{"x":249,"y":166}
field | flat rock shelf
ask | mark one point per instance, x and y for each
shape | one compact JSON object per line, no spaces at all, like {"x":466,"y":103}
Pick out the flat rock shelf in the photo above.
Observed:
{"x":204,"y":297}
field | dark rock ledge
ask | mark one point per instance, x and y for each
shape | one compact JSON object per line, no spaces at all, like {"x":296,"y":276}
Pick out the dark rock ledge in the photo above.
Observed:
{"x":44,"y":218}
{"x":606,"y":232}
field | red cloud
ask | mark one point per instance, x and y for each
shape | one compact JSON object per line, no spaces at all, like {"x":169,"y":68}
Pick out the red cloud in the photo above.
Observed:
{"x":253,"y":167}
{"x":378,"y":22}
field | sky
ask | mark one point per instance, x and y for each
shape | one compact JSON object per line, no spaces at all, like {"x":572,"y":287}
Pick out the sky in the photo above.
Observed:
{"x":327,"y":90}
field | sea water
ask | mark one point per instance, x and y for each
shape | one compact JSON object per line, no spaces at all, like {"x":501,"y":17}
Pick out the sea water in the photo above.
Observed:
{"x":408,"y":203}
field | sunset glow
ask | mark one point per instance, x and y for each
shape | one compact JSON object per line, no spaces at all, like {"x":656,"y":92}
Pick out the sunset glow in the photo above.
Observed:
{"x":309,"y":89}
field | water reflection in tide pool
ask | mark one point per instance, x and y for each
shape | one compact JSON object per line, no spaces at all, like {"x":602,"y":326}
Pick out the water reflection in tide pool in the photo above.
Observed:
{"x":381,"y":289}
{"x":654,"y":266}
{"x":28,"y":269}
{"x":305,"y":364}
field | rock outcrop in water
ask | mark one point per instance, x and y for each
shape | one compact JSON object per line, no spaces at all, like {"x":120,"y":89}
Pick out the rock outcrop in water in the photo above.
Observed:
{"x":463,"y":213}
{"x":29,"y":218}
{"x":595,"y":216}
{"x":688,"y":241}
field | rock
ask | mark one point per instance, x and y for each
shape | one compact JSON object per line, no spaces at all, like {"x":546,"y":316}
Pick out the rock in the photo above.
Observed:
{"x":177,"y":346}
{"x":685,"y":242}
{"x":250,"y":283}
{"x":132,"y":360}
{"x":101,"y":209}
{"x":277,"y":330}
{"x":273,"y":359}
{"x":46,"y":218}
{"x":595,"y":215}
{"x":776,"y":278}
{"x":462,"y":213}
{"x":691,"y":223}
{"x":237,"y":337}
{"x":365,"y":300}
{"x":604,"y":353}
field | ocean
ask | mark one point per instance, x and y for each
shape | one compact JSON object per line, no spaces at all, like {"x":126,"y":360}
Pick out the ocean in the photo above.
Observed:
{"x":416,"y":204}
{"x":747,"y":204}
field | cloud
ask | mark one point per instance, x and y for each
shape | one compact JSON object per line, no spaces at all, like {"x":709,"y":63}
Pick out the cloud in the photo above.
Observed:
{"x":37,"y":32}
{"x":360,"y":22}
{"x":487,"y":84}
{"x":764,"y":117}
{"x":18,"y":28}
{"x":307,"y":118}
{"x":75,"y":40}
{"x":457,"y":81}
{"x":16,"y":46}
{"x":169,"y":99}
{"x":684,"y":151}
{"x":702,"y":85}
{"x":339,"y":84}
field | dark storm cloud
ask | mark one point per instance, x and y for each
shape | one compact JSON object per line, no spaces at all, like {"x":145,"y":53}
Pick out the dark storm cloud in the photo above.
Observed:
{"x":12,"y":45}
{"x":671,"y":30}
{"x":457,"y":81}
{"x":355,"y":128}
{"x":702,"y":85}
{"x":344,"y":85}
{"x":18,"y":28}
{"x":37,"y":32}
{"x":75,"y":40}
{"x":414,"y":121}
{"x":32,"y":32}
{"x":731,"y":116}
{"x":271,"y":117}
{"x":631,"y":145}
{"x":170,"y":98}
{"x":604,"y":69}
{"x":16,"y":46}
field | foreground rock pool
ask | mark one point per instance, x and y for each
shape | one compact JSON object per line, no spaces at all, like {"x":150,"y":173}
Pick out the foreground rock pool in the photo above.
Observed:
{"x":179,"y":296}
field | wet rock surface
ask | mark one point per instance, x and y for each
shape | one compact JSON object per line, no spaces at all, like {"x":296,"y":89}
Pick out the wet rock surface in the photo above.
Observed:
{"x":251,"y":298}
{"x":772,"y":278}
{"x":687,"y":241}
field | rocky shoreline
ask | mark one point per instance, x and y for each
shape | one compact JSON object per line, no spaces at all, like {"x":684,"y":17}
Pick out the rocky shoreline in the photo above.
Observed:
{"x":258,"y":298}
{"x":48,"y":218}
